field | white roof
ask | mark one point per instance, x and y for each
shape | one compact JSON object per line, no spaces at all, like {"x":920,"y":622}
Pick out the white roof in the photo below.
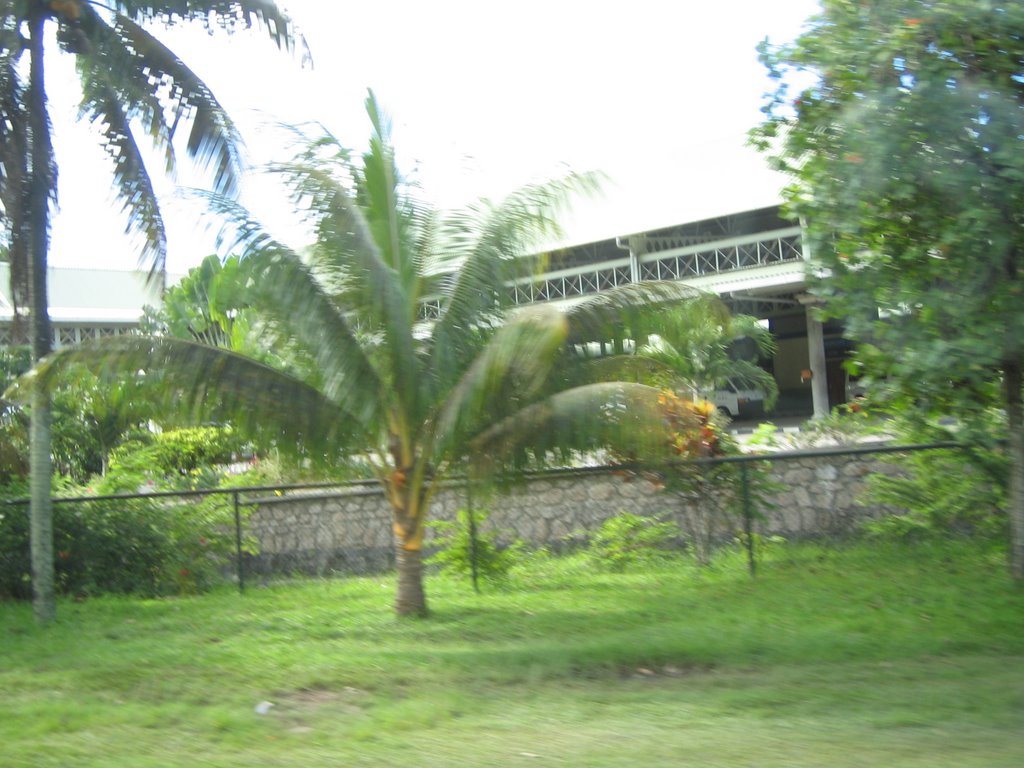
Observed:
{"x":714,"y":179}
{"x":89,"y":295}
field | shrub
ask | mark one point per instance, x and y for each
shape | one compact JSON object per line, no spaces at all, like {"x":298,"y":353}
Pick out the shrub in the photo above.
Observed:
{"x":944,"y":493}
{"x":143,"y":546}
{"x":461,"y":543}
{"x":177,"y":457}
{"x":629,"y":540}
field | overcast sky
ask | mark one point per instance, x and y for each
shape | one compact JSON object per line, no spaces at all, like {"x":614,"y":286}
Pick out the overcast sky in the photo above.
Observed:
{"x":485,"y":96}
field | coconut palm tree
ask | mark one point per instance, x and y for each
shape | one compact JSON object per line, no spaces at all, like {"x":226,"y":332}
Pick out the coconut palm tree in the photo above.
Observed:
{"x":410,"y":354}
{"x":131,"y":84}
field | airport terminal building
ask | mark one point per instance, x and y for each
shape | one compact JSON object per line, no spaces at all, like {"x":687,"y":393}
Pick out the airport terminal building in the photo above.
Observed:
{"x":753,"y":259}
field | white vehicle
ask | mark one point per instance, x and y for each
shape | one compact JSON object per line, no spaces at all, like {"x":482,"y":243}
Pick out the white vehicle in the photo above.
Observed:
{"x":734,"y":401}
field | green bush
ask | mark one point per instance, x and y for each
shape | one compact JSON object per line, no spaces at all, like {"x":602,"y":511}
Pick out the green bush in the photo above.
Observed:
{"x":179,"y":458}
{"x":460,"y":543}
{"x":629,"y":540}
{"x":143,"y":546}
{"x":943,"y":493}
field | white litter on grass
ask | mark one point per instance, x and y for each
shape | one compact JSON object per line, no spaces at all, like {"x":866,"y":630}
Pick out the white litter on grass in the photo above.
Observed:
{"x":264,"y":707}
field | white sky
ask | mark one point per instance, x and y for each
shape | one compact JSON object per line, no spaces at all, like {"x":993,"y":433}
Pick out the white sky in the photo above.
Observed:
{"x":484,"y":96}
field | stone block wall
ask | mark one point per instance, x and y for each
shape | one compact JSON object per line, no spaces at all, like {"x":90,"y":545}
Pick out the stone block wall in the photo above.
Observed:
{"x":350,"y":530}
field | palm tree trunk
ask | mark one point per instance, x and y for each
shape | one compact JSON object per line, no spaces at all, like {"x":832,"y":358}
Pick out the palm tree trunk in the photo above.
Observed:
{"x":407,"y":506}
{"x":411,"y":599}
{"x":1012,"y":379}
{"x":40,"y":191}
{"x":41,"y":510}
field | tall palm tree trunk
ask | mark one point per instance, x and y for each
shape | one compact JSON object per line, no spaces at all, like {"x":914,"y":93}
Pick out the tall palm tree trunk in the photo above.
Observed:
{"x":1013,"y":381}
{"x":40,"y":463}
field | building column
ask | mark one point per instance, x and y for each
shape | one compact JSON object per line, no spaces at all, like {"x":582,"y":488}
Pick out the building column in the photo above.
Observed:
{"x":815,"y":341}
{"x":637,"y":247}
{"x":816,"y":360}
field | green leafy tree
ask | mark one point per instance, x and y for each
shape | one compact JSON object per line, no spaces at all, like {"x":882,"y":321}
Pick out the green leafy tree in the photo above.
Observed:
{"x":132,"y":84}
{"x":13,"y":430}
{"x":906,"y":149}
{"x":421,"y":366}
{"x":212,"y":305}
{"x":90,"y":420}
{"x":208,"y":305}
{"x":707,"y":346}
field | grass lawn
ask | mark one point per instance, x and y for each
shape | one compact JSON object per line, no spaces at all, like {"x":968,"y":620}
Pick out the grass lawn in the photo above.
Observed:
{"x":861,"y":656}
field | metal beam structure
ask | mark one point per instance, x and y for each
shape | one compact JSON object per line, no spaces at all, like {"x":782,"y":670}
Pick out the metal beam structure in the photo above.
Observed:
{"x":752,"y":259}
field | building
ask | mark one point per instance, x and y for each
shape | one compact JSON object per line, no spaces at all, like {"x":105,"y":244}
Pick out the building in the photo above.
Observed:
{"x":84,"y":304}
{"x":751,"y":257}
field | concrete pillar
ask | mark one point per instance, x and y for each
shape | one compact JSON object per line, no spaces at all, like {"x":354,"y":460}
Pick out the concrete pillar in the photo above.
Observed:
{"x":816,"y":360}
{"x":815,"y":342}
{"x":637,"y":248}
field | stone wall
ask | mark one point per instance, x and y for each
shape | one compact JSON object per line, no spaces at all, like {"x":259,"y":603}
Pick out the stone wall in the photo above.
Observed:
{"x":350,"y":530}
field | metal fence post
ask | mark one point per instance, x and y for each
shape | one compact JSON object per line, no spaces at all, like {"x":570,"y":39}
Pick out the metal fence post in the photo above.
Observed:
{"x":238,"y":544}
{"x":748,"y":517}
{"x":472,"y":536}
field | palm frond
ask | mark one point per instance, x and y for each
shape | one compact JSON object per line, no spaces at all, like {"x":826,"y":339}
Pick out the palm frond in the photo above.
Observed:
{"x":627,"y":418}
{"x":229,"y":15}
{"x":199,"y":383}
{"x":290,"y":292}
{"x":749,"y":375}
{"x":131,"y":180}
{"x":325,"y":183}
{"x":213,"y":141}
{"x":505,"y":376}
{"x":14,"y":208}
{"x":633,"y":312}
{"x":706,"y":350}
{"x":485,"y":247}
{"x":377,"y":183}
{"x":748,"y":327}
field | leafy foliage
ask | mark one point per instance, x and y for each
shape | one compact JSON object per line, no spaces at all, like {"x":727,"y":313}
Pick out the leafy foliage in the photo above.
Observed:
{"x":705,"y":348}
{"x":905,"y":150}
{"x":941,"y":493}
{"x":906,"y":153}
{"x":177,"y":458}
{"x":90,"y":419}
{"x":13,"y":432}
{"x":712,"y":491}
{"x":464,"y":549}
{"x":405,"y":350}
{"x":633,"y":541}
{"x":146,"y":547}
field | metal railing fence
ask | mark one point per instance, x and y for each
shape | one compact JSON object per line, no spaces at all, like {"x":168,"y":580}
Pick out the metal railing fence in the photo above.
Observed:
{"x":225,"y":513}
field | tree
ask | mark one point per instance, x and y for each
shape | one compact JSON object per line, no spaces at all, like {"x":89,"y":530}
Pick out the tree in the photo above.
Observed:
{"x":205,"y":306}
{"x":707,"y":346}
{"x":13,"y":434}
{"x":906,"y":150}
{"x":130,"y":82}
{"x":420,"y":365}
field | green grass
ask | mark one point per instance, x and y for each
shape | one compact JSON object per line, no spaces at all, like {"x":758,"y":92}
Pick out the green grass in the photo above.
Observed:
{"x":861,"y":656}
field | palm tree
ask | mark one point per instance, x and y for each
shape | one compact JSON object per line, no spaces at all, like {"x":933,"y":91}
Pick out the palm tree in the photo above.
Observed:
{"x":130,"y":81}
{"x":707,"y":346}
{"x":411,"y":355}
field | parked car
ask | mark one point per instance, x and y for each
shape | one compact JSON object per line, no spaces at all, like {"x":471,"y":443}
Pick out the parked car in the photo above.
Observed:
{"x":735,"y":402}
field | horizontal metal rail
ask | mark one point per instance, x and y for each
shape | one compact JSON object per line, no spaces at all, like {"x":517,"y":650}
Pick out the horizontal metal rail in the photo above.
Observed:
{"x":531,"y":474}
